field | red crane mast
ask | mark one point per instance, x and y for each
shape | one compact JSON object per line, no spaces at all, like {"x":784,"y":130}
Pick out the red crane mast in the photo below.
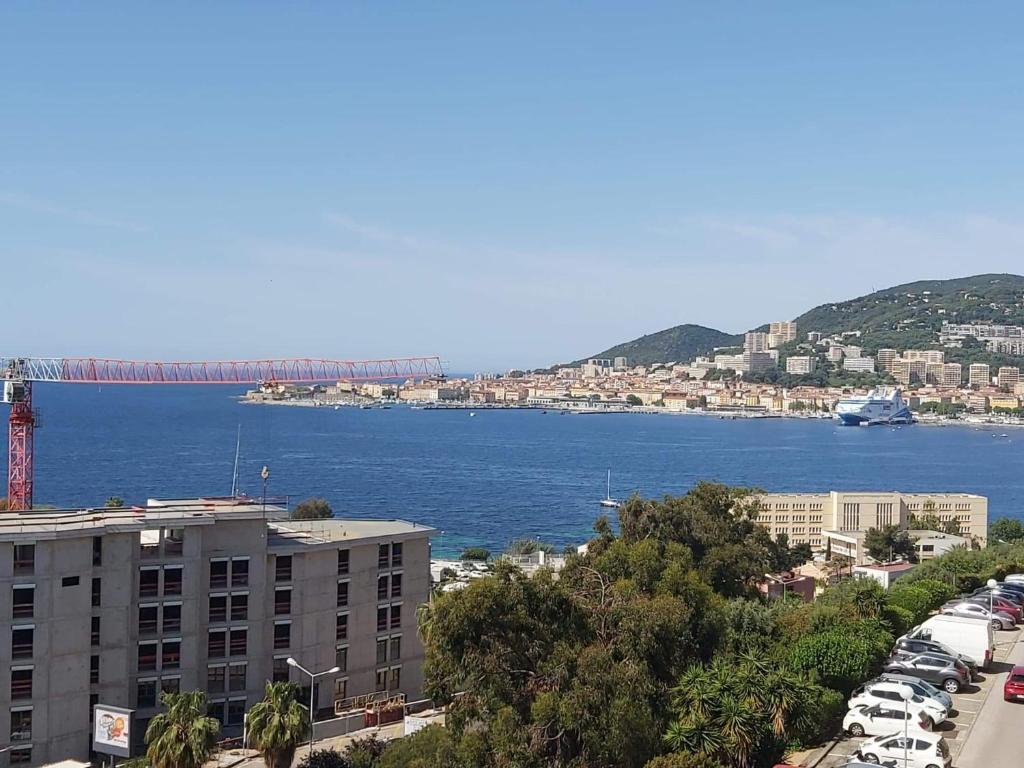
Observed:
{"x":18,"y":374}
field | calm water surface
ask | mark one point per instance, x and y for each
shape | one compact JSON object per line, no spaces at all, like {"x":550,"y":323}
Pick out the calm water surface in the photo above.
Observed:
{"x":483,"y":479}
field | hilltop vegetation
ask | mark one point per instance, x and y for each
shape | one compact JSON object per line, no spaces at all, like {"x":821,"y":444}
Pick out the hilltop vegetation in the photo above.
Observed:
{"x":683,"y":342}
{"x":905,"y":316}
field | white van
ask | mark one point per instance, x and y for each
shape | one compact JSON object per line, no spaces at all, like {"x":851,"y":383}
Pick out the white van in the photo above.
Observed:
{"x":971,"y":637}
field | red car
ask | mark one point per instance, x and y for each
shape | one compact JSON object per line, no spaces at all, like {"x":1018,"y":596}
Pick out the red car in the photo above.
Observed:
{"x":1013,"y":688}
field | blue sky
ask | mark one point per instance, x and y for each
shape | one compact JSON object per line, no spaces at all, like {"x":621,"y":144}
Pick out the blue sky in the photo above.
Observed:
{"x":501,"y":184}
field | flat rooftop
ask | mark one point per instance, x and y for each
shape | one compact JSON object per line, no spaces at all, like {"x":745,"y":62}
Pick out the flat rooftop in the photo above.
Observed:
{"x":299,"y":533}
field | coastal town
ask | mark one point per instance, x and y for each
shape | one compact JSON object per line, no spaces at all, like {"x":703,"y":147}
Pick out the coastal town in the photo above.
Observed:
{"x":772,"y":375}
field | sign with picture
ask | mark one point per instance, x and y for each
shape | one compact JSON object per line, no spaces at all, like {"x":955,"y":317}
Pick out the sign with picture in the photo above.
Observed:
{"x":112,"y":730}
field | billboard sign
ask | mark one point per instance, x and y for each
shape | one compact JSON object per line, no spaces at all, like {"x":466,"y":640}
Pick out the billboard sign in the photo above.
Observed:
{"x":112,"y":730}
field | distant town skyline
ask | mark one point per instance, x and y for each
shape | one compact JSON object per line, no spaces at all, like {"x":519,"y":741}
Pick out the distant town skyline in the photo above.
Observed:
{"x":507,"y":187}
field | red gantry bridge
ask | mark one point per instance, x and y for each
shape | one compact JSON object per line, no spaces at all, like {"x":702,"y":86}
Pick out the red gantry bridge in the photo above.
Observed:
{"x":18,"y":374}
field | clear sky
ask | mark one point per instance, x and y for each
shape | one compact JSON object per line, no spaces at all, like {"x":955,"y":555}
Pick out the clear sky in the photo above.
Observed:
{"x":503,"y":184}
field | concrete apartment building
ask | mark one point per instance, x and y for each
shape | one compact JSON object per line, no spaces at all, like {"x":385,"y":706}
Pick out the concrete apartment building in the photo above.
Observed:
{"x":800,"y":364}
{"x":979,"y":375}
{"x":1007,"y":377}
{"x":952,"y":375}
{"x":780,"y":333}
{"x":885,"y":358}
{"x":113,"y":606}
{"x":844,"y":517}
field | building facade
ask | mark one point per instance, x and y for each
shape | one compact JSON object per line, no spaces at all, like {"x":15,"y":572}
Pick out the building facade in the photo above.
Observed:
{"x":114,"y":606}
{"x":979,"y":375}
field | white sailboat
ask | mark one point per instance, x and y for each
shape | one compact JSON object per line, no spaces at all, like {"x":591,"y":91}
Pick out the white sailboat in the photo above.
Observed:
{"x":608,"y":501}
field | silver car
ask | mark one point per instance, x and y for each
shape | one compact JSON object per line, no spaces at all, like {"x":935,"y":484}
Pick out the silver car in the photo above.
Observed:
{"x":997,"y":619}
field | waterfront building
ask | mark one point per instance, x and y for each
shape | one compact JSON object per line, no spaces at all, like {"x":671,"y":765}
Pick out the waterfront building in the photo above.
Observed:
{"x":844,"y":517}
{"x":979,"y":375}
{"x":800,"y":364}
{"x":952,"y":375}
{"x":860,"y":364}
{"x":755,"y":341}
{"x":780,"y":333}
{"x":977,"y":403}
{"x":1007,"y":402}
{"x":885,"y":358}
{"x":1007,"y":377}
{"x":114,"y":606}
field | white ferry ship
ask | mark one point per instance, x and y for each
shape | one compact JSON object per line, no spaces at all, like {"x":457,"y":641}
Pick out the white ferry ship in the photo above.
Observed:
{"x":880,"y":406}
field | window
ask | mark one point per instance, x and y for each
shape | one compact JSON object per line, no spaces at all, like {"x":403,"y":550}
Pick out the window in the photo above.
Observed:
{"x":216,"y":679}
{"x":20,"y":756}
{"x":382,"y":619}
{"x":282,"y":636}
{"x":218,"y":574}
{"x":239,"y":642}
{"x":21,"y":642}
{"x":340,"y":689}
{"x":149,"y":545}
{"x":174,"y":542}
{"x":21,"y":725}
{"x":395,"y":679}
{"x":94,"y":669}
{"x":218,"y":608}
{"x":396,"y":555}
{"x":341,"y":658}
{"x":382,"y":588}
{"x":95,"y":631}
{"x":145,"y":693}
{"x":217,"y":644}
{"x":23,"y":601}
{"x":239,"y":607}
{"x":236,"y":712}
{"x":172,"y":580}
{"x":283,"y":568}
{"x":21,"y":683}
{"x":396,"y":585}
{"x":383,"y":556}
{"x":97,"y":592}
{"x":236,"y":677}
{"x":389,"y":649}
{"x":396,"y":616}
{"x":147,"y":656}
{"x":396,"y":648}
{"x":172,"y":618}
{"x":342,"y":594}
{"x":282,"y":601}
{"x":149,"y":582}
{"x":170,"y":685}
{"x":215,"y":709}
{"x":240,"y":572}
{"x":382,"y":651}
{"x":170,"y":656}
{"x":280,"y":672}
{"x":69,"y":581}
{"x":381,"y":681}
{"x":343,"y":562}
{"x":24,"y":559}
{"x":147,"y":619}
{"x":341,"y":627}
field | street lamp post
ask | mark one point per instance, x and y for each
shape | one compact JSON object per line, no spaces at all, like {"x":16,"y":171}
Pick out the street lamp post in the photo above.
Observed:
{"x":265,"y":474}
{"x":906,"y":693}
{"x":991,"y":584}
{"x":312,"y":679}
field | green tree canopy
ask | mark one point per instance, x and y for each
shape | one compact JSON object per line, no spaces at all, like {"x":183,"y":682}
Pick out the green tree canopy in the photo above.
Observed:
{"x":888,"y":542}
{"x":1006,"y":529}
{"x":183,"y":735}
{"x":278,"y":724}
{"x":314,"y":508}
{"x":475,"y":553}
{"x":114,"y":502}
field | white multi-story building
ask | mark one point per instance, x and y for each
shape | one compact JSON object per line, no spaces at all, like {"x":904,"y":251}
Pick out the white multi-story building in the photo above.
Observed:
{"x":755,"y":341}
{"x":979,"y":375}
{"x":859,"y":364}
{"x":1008,"y":376}
{"x":800,"y":364}
{"x":885,"y":358}
{"x":952,"y":375}
{"x":780,"y":333}
{"x":924,"y":355}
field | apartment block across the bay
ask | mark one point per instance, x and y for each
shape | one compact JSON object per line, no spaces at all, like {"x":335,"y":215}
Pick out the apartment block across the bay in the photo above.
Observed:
{"x":114,"y":606}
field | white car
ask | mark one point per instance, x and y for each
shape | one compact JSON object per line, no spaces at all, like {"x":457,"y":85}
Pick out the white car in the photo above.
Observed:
{"x":881,"y":719}
{"x":888,"y":694}
{"x":997,"y":619}
{"x":1015,"y":577}
{"x":923,"y":750}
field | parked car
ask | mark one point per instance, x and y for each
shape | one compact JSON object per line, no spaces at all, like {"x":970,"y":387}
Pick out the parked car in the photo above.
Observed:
{"x":997,"y":619}
{"x":1010,"y":595}
{"x":998,"y":603}
{"x":924,"y":750}
{"x":944,"y":671}
{"x":1014,"y":578}
{"x":888,"y":694}
{"x":1013,"y":688}
{"x":909,"y":646}
{"x":921,"y":688}
{"x":1014,"y":587}
{"x":879,"y":719}
{"x":973,"y":638}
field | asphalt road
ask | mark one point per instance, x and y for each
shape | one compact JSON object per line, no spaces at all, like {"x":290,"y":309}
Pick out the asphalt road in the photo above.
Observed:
{"x":994,"y":741}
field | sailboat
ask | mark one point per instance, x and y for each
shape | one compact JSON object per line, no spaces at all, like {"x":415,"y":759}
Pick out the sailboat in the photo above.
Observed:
{"x":608,"y":501}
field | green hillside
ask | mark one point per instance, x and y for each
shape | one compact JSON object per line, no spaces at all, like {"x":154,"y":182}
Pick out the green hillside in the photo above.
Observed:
{"x":683,"y":342}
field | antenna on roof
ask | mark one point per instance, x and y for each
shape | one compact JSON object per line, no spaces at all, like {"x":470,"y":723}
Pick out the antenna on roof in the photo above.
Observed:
{"x":234,"y":476}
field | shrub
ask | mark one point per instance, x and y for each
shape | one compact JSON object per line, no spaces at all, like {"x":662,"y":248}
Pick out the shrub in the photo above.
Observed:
{"x":899,"y":620}
{"x":312,"y":509}
{"x":324,"y":758}
{"x":475,"y":553}
{"x":939,"y":592}
{"x":828,"y":708}
{"x":911,"y":598}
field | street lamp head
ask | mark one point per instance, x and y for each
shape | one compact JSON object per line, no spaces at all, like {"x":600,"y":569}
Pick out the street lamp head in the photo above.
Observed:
{"x":291,"y":662}
{"x":906,"y":693}
{"x":992,"y":583}
{"x":333,"y":670}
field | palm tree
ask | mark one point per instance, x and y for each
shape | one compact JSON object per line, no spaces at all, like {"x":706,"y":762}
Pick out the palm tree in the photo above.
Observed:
{"x":278,"y":724}
{"x":696,"y":735}
{"x":182,"y":736}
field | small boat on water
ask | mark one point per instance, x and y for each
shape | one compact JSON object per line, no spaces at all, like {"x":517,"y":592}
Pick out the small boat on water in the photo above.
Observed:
{"x":608,"y":501}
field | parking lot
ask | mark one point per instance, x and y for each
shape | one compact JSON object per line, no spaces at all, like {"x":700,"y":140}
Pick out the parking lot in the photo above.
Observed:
{"x":967,"y":705}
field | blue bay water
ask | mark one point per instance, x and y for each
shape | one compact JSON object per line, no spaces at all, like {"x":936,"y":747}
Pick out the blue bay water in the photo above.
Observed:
{"x":485,"y":479}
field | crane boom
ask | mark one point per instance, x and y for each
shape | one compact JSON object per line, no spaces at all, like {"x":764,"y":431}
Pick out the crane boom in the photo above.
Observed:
{"x":17,"y":375}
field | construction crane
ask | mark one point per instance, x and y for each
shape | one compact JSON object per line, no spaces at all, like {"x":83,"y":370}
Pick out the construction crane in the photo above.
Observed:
{"x":19,"y":373}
